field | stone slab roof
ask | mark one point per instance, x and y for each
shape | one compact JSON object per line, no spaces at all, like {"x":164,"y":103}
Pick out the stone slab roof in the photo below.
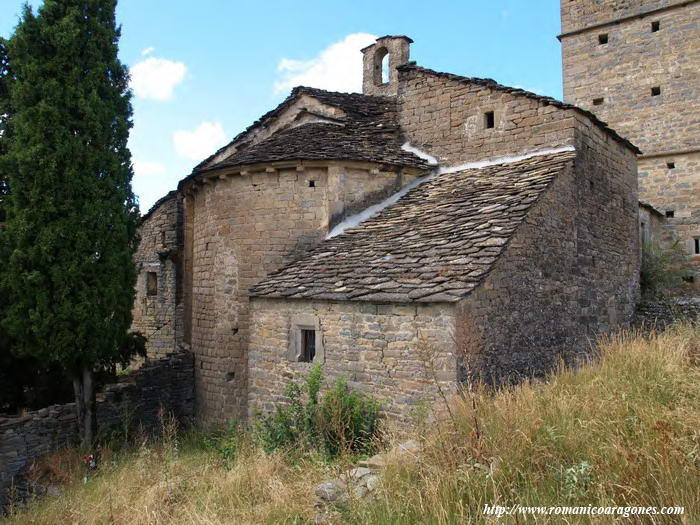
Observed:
{"x":490,"y":83}
{"x":365,"y":111}
{"x":435,"y":244}
{"x":327,"y":141}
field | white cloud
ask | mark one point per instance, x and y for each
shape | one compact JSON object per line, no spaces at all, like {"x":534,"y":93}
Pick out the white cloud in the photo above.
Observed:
{"x":147,"y":51}
{"x":336,"y":68}
{"x":145,"y":168}
{"x":156,"y":78}
{"x":201,"y":142}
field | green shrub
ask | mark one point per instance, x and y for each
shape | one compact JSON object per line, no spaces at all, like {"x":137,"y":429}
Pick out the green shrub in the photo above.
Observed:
{"x":340,"y":421}
{"x":663,"y":269}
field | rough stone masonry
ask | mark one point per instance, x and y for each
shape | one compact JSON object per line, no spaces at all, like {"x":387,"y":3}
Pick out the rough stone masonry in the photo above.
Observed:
{"x":414,"y":296}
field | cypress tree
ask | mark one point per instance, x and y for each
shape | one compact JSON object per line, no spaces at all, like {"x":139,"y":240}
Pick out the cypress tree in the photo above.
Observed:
{"x":71,"y":213}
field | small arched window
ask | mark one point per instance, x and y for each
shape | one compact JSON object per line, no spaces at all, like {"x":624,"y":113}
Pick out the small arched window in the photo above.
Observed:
{"x":385,"y":69}
{"x":381,"y":66}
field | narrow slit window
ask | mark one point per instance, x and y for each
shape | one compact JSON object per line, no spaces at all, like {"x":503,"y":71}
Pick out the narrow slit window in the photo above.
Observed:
{"x":655,"y":26}
{"x":598,"y":101}
{"x":603,"y":38}
{"x":655,"y":91}
{"x":151,"y":284}
{"x":308,"y":345}
{"x":696,"y":246}
{"x":670,"y":214}
{"x":489,"y":120}
{"x":671,"y":165}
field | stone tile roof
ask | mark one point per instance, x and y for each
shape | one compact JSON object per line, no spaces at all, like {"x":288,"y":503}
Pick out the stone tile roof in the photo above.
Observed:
{"x":327,"y":141}
{"x":436,"y":244}
{"x":364,"y":109}
{"x":490,"y":83}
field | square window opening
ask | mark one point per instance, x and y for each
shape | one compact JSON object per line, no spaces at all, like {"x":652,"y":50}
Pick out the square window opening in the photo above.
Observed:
{"x":598,"y":101}
{"x":655,"y":91}
{"x":489,"y":120}
{"x":312,"y":184}
{"x":151,"y":284}
{"x":308,"y":345}
{"x":671,"y":165}
{"x":603,"y":39}
{"x":655,"y":26}
{"x":670,"y":214}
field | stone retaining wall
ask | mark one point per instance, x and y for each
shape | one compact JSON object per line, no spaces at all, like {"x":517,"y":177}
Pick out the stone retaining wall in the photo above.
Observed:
{"x":136,"y":399}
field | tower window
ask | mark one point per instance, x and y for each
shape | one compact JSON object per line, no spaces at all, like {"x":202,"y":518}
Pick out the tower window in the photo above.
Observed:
{"x":655,"y":91}
{"x":386,"y":76}
{"x":603,"y":38}
{"x":671,"y":165}
{"x":489,"y":120}
{"x":380,"y":66}
{"x":670,"y":214}
{"x":598,"y":101}
{"x":151,"y":284}
{"x":312,"y":184}
{"x":655,"y":26}
{"x":696,"y":246}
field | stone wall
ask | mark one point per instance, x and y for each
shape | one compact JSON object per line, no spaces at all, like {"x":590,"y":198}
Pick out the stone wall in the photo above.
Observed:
{"x":676,"y":193}
{"x":239,"y":228}
{"x":157,"y":311}
{"x":611,"y":71}
{"x":623,"y":71}
{"x":583,"y":13}
{"x":395,"y":352}
{"x":568,"y":275}
{"x":445,"y":117}
{"x":136,"y":399}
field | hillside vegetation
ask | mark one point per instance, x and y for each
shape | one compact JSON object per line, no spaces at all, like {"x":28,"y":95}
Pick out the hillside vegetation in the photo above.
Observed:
{"x":623,"y":430}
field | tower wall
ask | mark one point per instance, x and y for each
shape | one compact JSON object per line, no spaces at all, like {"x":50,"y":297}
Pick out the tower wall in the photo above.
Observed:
{"x":635,"y":64}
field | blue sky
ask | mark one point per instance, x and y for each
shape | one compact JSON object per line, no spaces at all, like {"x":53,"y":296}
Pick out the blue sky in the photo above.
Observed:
{"x":204,"y":70}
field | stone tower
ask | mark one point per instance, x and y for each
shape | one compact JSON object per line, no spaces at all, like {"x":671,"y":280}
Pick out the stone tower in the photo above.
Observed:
{"x":636,"y":64}
{"x":379,"y":63}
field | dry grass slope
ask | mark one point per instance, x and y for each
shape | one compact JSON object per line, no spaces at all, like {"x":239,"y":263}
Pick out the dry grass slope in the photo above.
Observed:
{"x":623,"y":430}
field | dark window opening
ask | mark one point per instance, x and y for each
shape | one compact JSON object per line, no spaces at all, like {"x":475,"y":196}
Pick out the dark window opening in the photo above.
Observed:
{"x":689,"y":278}
{"x":671,"y":165}
{"x":308,"y":345}
{"x":230,"y":377}
{"x":489,"y":119}
{"x":597,"y":101}
{"x":151,"y":283}
{"x":670,"y":214}
{"x":696,"y":245}
{"x":655,"y":91}
{"x":603,"y":39}
{"x":312,"y":184}
{"x":655,"y":26}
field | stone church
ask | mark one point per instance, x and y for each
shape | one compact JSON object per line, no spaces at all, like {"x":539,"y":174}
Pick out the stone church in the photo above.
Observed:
{"x":433,"y":230}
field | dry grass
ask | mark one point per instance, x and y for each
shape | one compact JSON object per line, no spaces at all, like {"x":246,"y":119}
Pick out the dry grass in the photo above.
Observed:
{"x":621,"y":431}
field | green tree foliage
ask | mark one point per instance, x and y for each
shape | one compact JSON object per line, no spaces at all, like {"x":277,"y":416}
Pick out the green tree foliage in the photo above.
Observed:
{"x":663,"y":270}
{"x":4,"y":116}
{"x":71,"y":214}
